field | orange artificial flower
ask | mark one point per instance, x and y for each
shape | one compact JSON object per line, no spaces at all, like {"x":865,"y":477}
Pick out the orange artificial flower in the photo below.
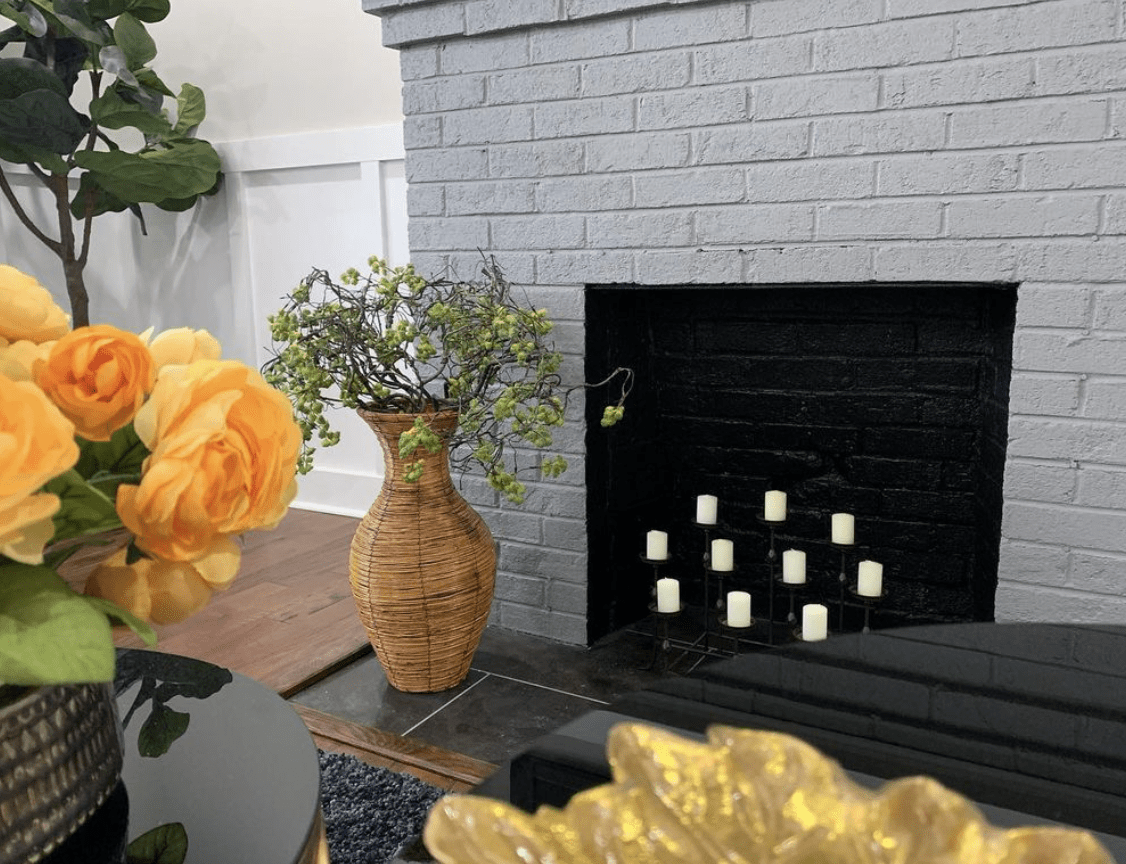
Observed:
{"x":162,"y":592}
{"x":224,"y":449}
{"x":27,"y":310}
{"x":98,"y":376}
{"x":36,"y":444}
{"x":182,"y":345}
{"x":17,"y":359}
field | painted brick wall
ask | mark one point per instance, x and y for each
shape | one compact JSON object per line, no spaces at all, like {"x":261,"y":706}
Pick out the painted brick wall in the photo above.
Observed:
{"x":589,"y":141}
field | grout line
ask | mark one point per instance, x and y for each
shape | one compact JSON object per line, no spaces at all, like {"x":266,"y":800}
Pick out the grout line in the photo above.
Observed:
{"x":445,"y":705}
{"x":545,"y":687}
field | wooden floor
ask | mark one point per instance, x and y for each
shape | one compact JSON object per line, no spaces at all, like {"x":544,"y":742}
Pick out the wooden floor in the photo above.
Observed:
{"x":288,"y":620}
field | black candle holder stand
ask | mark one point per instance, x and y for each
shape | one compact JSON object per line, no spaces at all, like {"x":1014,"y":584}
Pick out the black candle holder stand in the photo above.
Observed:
{"x":734,"y":633}
{"x":661,"y":640}
{"x":772,"y":565}
{"x":869,"y":601}
{"x":793,"y":588}
{"x":656,"y":564}
{"x":842,"y":581}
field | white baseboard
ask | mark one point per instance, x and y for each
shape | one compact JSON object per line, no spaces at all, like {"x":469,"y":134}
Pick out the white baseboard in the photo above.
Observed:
{"x":338,"y":492}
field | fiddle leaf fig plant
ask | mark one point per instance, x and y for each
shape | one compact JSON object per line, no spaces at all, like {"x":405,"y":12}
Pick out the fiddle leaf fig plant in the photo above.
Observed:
{"x":390,"y":340}
{"x":105,"y":41}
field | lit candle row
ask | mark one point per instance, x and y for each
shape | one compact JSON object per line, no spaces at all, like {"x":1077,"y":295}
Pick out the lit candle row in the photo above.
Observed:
{"x":773,"y":508}
{"x":738,"y":602}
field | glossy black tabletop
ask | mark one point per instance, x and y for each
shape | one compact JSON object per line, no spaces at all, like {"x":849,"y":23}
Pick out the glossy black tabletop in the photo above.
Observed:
{"x":215,"y":752}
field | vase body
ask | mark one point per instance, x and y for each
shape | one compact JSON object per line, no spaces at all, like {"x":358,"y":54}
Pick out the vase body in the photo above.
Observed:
{"x":422,"y":565}
{"x":60,"y":758}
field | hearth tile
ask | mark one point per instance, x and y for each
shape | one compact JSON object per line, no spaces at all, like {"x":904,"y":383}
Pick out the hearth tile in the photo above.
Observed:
{"x":360,"y":694}
{"x":499,"y":717}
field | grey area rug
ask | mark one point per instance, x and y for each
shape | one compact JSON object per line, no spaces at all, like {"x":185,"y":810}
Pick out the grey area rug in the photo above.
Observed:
{"x":371,"y":813}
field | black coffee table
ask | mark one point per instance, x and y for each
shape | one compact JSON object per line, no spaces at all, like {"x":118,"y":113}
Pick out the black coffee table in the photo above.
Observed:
{"x":216,"y":752}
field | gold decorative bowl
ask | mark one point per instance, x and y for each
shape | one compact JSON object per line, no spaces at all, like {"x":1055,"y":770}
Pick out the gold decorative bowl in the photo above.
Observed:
{"x":746,"y":797}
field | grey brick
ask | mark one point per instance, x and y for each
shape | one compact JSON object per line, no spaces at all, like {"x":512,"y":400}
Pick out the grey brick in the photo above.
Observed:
{"x":1032,"y":562}
{"x":690,"y":188}
{"x":1051,"y":394}
{"x":1066,"y":526}
{"x":518,"y":267}
{"x":638,"y":151}
{"x":535,"y":84}
{"x":894,"y":219}
{"x":636,"y":73}
{"x":573,"y":9}
{"x":1036,"y":25}
{"x":510,"y":524}
{"x":542,"y":561}
{"x":642,"y":229}
{"x":988,"y":262}
{"x":915,"y":8}
{"x":420,"y":133}
{"x":809,"y":180}
{"x":1031,"y":603}
{"x":1110,"y":307}
{"x":1102,"y":487}
{"x":520,"y":589}
{"x":1077,"y":260}
{"x":418,"y":61}
{"x":1084,"y":70}
{"x":595,"y":266}
{"x":538,"y":232}
{"x":605,"y":38}
{"x":405,"y":26}
{"x":689,"y":267}
{"x":815,"y":95}
{"x":904,"y":132}
{"x":789,"y":16}
{"x":426,"y":200}
{"x":1039,"y":122}
{"x":566,"y":534}
{"x":566,"y":597}
{"x":751,"y":142}
{"x":487,"y":126}
{"x":443,"y":94}
{"x":701,"y":106}
{"x":762,"y":58}
{"x":896,"y":43}
{"x":488,"y":53}
{"x":490,"y":197}
{"x":1070,"y":351}
{"x":944,"y":174}
{"x":1049,"y":305}
{"x":483,"y":16}
{"x":1106,"y":399}
{"x":584,"y":117}
{"x":1038,"y":481}
{"x":693,"y":25}
{"x":585,"y":193}
{"x":960,"y":82}
{"x":809,"y":264}
{"x":446,"y":233}
{"x":1023,"y":216}
{"x":1114,"y":215}
{"x":1074,"y":167}
{"x":750,"y":224}
{"x":1095,"y":441}
{"x":535,"y":159}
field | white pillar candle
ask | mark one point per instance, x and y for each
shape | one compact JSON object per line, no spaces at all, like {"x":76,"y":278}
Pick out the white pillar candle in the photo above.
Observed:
{"x":870,"y":579}
{"x":814,"y":622}
{"x":656,"y":545}
{"x":793,"y":567}
{"x":706,"y":506}
{"x":723,"y":555}
{"x":668,"y":595}
{"x":774,"y":507}
{"x":738,"y":609}
{"x":844,"y":528}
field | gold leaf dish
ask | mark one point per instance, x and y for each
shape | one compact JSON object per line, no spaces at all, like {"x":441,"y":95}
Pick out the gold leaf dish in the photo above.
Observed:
{"x":745,"y":797}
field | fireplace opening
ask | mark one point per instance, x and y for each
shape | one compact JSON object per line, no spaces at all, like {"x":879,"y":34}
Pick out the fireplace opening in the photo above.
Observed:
{"x":888,"y":401}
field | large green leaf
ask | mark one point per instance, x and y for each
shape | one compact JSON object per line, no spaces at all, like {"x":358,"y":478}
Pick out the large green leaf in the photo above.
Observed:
{"x":165,"y":844}
{"x":122,"y":455}
{"x":149,"y":11}
{"x":132,"y":37}
{"x":187,"y":167}
{"x":160,"y":730}
{"x":111,"y":610}
{"x":19,"y":75}
{"x":26,"y":16}
{"x":48,"y":633}
{"x":24,"y":154}
{"x":191,"y":108}
{"x":43,"y":119}
{"x":103,"y":202}
{"x":151,"y":81}
{"x":112,"y":112}
{"x":73,"y":19}
{"x":85,"y":509}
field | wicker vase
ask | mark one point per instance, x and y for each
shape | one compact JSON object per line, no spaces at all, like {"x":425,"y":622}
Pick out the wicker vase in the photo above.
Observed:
{"x":60,"y":758}
{"x":422,"y":566}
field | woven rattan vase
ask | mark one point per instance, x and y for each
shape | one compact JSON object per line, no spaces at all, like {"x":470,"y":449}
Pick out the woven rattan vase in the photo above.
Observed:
{"x":422,"y":566}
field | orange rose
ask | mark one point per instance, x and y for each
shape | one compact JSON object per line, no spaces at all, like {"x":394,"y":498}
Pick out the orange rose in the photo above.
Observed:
{"x":27,"y":310}
{"x":183,"y":345}
{"x":224,"y":454}
{"x":18,"y":358}
{"x":98,"y":376}
{"x":162,"y":592}
{"x":36,"y":444}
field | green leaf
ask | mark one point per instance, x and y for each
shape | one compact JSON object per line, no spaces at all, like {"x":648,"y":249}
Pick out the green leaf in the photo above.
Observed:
{"x":85,"y":509}
{"x":18,"y":75}
{"x":74,"y":17}
{"x":149,"y":11}
{"x":43,"y":119}
{"x":160,"y":730}
{"x":191,"y":108}
{"x":165,"y":844}
{"x":187,"y":167}
{"x":151,"y":81}
{"x":132,"y":37}
{"x":112,"y":610}
{"x":48,"y":633}
{"x":103,"y":201}
{"x":113,"y":60}
{"x":123,"y":454}
{"x":112,"y":112}
{"x":26,"y":154}
{"x":27,"y":17}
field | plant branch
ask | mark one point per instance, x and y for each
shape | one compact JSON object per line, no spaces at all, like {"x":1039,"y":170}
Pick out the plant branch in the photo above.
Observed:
{"x":54,"y":245}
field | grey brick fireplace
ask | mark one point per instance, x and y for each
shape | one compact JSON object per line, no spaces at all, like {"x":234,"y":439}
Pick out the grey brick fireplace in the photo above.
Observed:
{"x":793,"y":144}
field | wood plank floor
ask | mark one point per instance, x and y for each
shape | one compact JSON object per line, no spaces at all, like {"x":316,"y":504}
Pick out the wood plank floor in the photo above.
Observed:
{"x":288,"y":620}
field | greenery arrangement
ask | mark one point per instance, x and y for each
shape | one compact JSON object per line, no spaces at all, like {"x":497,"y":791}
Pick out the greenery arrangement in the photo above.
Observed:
{"x":40,"y":128}
{"x":391,"y":340}
{"x":156,"y":444}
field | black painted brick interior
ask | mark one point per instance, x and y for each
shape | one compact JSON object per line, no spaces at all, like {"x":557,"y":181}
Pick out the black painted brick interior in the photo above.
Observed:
{"x":887,"y":401}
